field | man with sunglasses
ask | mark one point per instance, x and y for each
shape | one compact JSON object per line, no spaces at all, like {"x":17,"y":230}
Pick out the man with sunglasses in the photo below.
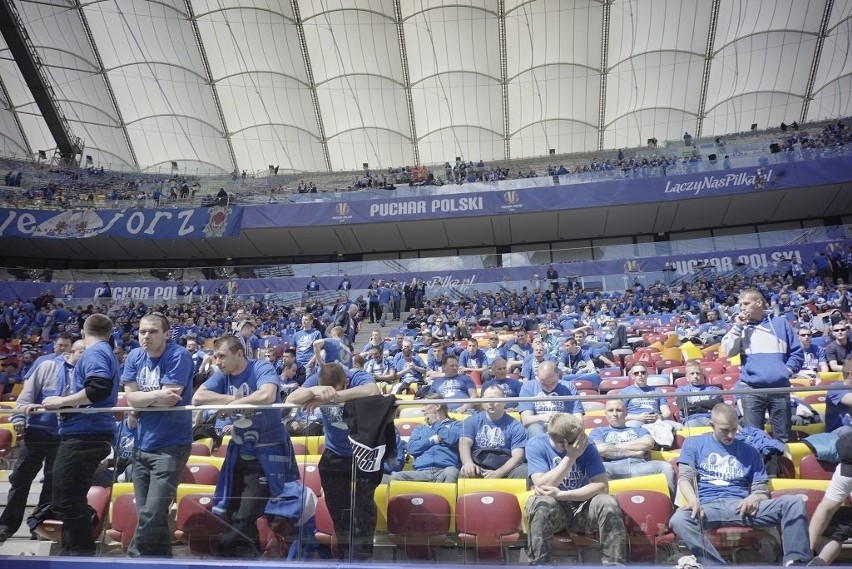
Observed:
{"x":642,"y":409}
{"x":814,"y":355}
{"x":838,"y":350}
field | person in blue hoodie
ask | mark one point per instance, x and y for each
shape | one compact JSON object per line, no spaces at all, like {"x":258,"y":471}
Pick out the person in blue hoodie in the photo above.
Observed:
{"x":771,"y":354}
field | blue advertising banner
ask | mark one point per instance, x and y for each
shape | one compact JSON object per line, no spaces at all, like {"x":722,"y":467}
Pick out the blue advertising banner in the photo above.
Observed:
{"x":441,"y":202}
{"x":135,"y":223}
{"x":446,"y":202}
{"x":760,"y":259}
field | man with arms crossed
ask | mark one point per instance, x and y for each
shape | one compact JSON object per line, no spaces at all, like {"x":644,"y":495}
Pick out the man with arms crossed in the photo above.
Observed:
{"x":157,"y":374}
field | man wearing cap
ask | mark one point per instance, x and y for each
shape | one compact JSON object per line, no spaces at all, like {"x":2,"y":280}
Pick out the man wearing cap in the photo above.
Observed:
{"x":831,"y":525}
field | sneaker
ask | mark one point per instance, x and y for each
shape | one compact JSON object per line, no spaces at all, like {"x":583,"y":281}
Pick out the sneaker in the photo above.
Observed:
{"x":817,"y":561}
{"x":4,"y":534}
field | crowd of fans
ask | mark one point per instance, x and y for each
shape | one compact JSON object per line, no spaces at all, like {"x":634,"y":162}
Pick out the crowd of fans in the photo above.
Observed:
{"x":547,"y":340}
{"x":62,"y":187}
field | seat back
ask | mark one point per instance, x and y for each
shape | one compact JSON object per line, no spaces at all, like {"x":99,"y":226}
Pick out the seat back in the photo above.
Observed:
{"x":123,"y":520}
{"x":488,"y":519}
{"x":196,"y":525}
{"x":811,"y":496}
{"x":811,"y":468}
{"x":309,"y":474}
{"x":646,"y":519}
{"x":418,"y":521}
{"x":199,"y":473}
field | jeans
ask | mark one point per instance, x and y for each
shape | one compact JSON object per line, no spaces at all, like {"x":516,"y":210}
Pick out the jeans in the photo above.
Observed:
{"x":156,"y":476}
{"x":632,"y":467}
{"x":250,"y":492}
{"x":786,"y":512}
{"x":755,"y":407}
{"x":384,"y":309}
{"x":431,"y":474}
{"x":39,"y":447}
{"x":354,"y":522}
{"x":77,"y":458}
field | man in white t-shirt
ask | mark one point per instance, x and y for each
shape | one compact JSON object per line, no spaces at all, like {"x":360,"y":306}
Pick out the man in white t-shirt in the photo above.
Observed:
{"x":831,"y":525}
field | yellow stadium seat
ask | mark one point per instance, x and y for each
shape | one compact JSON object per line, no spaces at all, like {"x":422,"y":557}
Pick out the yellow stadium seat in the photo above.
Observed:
{"x":712,"y":349}
{"x":690,"y":351}
{"x":657,"y":346}
{"x":522,"y":502}
{"x":795,"y":452}
{"x":652,"y":482}
{"x":214,"y":460}
{"x":666,"y":455}
{"x":508,"y":485}
{"x":380,"y":497}
{"x":694,"y":431}
{"x":811,"y":429}
{"x":308,"y":458}
{"x":184,"y":489}
{"x":313,"y":444}
{"x":17,"y":389}
{"x":830,"y":376}
{"x":447,"y":490}
{"x":120,"y":488}
{"x":672,"y":353}
{"x":797,"y":484}
{"x":671,"y":342}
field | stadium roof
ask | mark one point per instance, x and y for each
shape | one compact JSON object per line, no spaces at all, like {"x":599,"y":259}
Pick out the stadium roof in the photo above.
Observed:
{"x":315,"y":85}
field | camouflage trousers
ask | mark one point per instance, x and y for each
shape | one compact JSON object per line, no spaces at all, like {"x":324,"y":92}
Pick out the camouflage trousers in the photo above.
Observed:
{"x":600,"y":515}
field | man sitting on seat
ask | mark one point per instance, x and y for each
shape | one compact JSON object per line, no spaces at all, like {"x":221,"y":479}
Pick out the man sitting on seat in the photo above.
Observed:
{"x":641,"y":409}
{"x":492,"y":442}
{"x":434,"y":446}
{"x":571,"y":493}
{"x":696,"y":406}
{"x":536,"y":414}
{"x":724,"y":483}
{"x":624,"y":450}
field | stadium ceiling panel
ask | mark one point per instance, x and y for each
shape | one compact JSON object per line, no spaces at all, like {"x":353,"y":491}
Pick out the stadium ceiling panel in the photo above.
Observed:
{"x":309,"y":85}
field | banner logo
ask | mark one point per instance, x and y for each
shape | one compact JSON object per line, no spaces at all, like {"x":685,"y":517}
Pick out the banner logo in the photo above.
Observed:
{"x":217,"y":221}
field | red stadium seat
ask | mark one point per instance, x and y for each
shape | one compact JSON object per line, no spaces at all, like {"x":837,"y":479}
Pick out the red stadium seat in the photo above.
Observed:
{"x":325,"y":534}
{"x":646,"y":519}
{"x":309,"y":474}
{"x":592,"y":421}
{"x":418,"y":523}
{"x":811,"y":496}
{"x":609,"y":384}
{"x":814,"y":398}
{"x":490,"y":522}
{"x":197,"y":526}
{"x":811,"y":468}
{"x":713,"y":368}
{"x":199,"y":474}
{"x":123,"y":520}
{"x":200,"y":449}
{"x":98,"y":499}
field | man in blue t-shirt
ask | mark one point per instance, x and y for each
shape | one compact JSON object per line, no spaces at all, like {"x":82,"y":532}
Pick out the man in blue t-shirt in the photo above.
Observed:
{"x":325,"y":390}
{"x":642,"y":409}
{"x":536,"y":414}
{"x":624,"y":449}
{"x":492,"y":442}
{"x":571,"y":492}
{"x":499,"y":377}
{"x":157,"y":374}
{"x":260,"y":459}
{"x":86,"y":437}
{"x":700,"y":399}
{"x":454,"y":386}
{"x":304,"y":339}
{"x":723,"y":482}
